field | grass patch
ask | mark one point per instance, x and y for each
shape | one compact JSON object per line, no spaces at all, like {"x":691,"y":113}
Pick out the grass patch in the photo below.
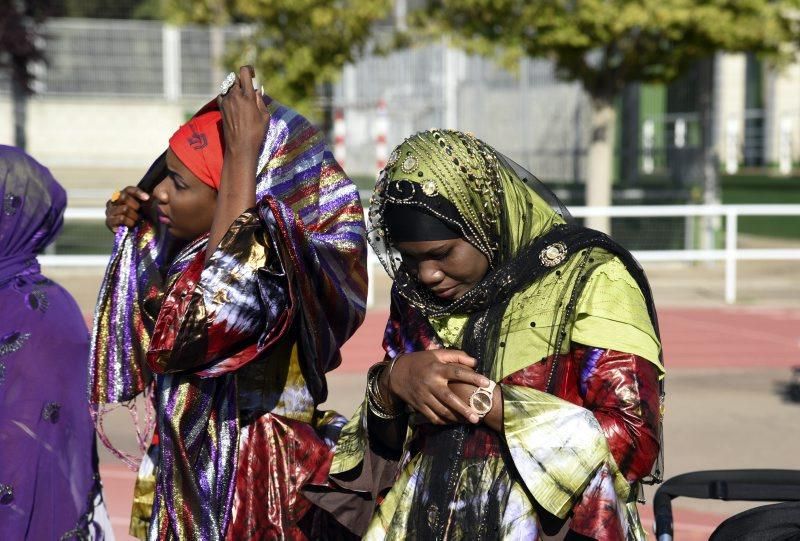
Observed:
{"x":762,"y":189}
{"x":84,"y":238}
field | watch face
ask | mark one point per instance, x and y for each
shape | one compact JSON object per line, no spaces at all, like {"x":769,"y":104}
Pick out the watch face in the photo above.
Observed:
{"x":481,"y":402}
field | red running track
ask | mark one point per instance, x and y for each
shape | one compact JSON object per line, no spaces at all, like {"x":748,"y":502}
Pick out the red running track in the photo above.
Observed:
{"x":699,"y":338}
{"x":692,"y":338}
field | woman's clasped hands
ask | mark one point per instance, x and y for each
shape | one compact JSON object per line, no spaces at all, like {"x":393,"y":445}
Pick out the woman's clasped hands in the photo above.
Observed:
{"x":436,"y":384}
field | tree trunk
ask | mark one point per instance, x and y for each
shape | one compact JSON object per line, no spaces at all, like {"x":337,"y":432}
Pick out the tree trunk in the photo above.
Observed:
{"x":327,"y":111}
{"x":217,"y":45}
{"x":19,"y":101}
{"x":711,"y":191}
{"x":629,"y":151}
{"x":600,"y":162}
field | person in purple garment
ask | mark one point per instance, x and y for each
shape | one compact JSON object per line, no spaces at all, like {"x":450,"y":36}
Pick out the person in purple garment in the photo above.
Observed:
{"x":49,"y":485}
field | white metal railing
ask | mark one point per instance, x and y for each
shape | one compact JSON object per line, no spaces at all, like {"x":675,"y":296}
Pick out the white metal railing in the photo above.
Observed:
{"x":79,"y":214}
{"x":730,"y":253}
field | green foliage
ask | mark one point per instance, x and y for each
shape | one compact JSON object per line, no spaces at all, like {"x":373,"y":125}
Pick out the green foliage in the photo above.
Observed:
{"x":606,"y":44}
{"x":295,"y":45}
{"x":203,"y":12}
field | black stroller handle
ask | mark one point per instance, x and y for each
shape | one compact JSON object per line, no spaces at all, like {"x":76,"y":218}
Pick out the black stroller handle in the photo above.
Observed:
{"x":745,"y":485}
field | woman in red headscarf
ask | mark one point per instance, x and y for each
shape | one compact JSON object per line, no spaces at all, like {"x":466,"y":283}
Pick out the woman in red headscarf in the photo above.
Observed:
{"x":230,"y":290}
{"x":188,"y":199}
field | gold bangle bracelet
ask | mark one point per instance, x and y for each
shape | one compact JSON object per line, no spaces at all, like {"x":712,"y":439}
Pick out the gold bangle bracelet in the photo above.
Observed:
{"x":376,"y":401}
{"x":391,"y":367}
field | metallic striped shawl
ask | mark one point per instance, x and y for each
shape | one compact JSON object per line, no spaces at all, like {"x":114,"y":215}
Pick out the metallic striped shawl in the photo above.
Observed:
{"x":313,"y":215}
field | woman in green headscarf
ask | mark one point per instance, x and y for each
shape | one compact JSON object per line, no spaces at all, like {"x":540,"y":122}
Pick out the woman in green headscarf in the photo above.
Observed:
{"x":521,"y":388}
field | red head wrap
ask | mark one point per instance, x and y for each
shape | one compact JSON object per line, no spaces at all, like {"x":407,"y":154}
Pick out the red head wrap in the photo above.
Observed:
{"x":199,"y":146}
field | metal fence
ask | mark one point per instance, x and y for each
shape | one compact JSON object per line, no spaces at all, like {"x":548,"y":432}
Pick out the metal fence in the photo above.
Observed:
{"x":729,"y":251}
{"x":90,"y":57}
{"x":529,"y":113}
{"x":536,"y":119}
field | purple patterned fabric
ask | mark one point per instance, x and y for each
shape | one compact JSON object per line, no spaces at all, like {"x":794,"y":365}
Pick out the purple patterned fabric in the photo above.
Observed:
{"x":48,"y":470}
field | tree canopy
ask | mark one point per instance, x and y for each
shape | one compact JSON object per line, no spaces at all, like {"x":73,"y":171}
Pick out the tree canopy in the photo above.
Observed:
{"x":609,"y":44}
{"x":606,"y":44}
{"x":295,"y":45}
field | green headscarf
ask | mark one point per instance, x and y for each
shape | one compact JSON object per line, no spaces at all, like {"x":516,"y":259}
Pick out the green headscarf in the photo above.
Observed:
{"x":469,"y":174}
{"x":503,"y":210}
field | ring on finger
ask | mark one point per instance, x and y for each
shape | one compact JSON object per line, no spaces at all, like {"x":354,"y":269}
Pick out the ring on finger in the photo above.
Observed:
{"x":115,"y":196}
{"x":227,"y":84}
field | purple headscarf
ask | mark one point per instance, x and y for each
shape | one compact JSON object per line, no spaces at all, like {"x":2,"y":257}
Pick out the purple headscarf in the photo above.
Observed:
{"x":32,"y":213}
{"x":48,"y":473}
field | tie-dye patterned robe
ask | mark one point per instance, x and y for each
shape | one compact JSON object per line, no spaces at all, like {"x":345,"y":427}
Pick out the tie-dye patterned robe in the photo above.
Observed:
{"x":571,"y":456}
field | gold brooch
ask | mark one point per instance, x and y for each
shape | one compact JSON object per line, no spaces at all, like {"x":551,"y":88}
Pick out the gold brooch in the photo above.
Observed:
{"x":429,"y":188}
{"x":553,"y":254}
{"x":409,"y":164}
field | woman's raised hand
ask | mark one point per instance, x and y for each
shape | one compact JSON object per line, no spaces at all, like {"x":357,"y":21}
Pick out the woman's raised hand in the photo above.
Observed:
{"x":420,"y":379}
{"x":245,"y":120}
{"x":244,"y":116}
{"x":125,"y":209}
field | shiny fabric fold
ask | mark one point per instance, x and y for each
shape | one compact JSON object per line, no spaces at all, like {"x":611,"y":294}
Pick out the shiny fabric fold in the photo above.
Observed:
{"x":196,"y":388}
{"x":121,"y":330}
{"x":270,"y":504}
{"x":293,"y":268}
{"x":556,"y":447}
{"x":316,"y":212}
{"x":220,"y":314}
{"x":198,"y":430}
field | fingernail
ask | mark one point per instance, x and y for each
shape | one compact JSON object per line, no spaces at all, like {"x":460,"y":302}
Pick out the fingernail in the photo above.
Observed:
{"x":474,"y":419}
{"x":146,"y":196}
